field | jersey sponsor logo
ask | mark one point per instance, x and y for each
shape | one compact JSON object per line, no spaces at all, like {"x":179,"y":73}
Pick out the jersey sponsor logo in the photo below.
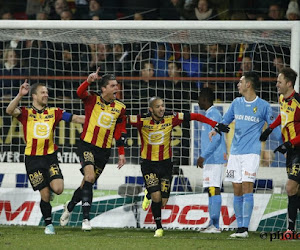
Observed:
{"x":247,"y":118}
{"x":156,"y":138}
{"x":105,"y":120}
{"x":41,"y":130}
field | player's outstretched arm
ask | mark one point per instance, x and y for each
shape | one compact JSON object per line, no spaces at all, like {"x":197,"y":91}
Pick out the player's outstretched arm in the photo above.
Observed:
{"x":283,"y":148}
{"x":12,"y":106}
{"x":78,"y":119}
{"x":264,"y":135}
{"x":220,"y":127}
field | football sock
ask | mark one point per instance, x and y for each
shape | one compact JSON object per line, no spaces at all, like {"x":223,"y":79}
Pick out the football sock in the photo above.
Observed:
{"x":292,"y":211}
{"x":46,"y":212}
{"x":87,"y":197}
{"x":215,"y":209}
{"x":247,"y":209}
{"x":156,"y":211}
{"x":75,"y":199}
{"x":238,"y":209}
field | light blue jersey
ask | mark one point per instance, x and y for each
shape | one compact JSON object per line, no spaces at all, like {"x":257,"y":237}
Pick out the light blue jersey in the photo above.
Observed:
{"x":250,"y":118}
{"x":213,"y":152}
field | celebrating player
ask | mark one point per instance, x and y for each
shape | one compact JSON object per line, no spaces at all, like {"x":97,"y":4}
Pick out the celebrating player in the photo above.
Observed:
{"x":250,"y":113}
{"x":104,"y":119}
{"x":289,"y":119}
{"x":39,"y":122}
{"x":155,"y":132}
{"x":212,"y":159}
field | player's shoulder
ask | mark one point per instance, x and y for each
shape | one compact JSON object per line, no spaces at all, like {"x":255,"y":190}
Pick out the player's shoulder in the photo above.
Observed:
{"x":297,"y":97}
{"x":262,"y":101}
{"x":120,"y":103}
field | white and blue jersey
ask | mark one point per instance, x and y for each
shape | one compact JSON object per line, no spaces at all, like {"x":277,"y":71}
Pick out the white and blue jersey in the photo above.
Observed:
{"x":250,"y":118}
{"x":213,"y":152}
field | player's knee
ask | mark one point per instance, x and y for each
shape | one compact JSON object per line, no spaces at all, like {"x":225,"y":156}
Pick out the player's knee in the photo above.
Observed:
{"x":90,"y":178}
{"x":291,"y":189}
{"x":164,"y":202}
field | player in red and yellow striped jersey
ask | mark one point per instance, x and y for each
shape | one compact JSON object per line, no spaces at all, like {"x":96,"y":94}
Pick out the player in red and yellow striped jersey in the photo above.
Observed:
{"x":289,"y":119}
{"x":155,"y":132}
{"x":105,"y":119}
{"x":39,"y":122}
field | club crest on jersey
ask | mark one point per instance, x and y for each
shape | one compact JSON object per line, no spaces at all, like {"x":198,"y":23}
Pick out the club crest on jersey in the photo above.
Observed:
{"x":254,"y":110}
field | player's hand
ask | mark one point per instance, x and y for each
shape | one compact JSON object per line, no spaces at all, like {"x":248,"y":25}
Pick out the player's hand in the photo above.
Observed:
{"x":283,"y":148}
{"x":24,"y":88}
{"x":200,"y":162}
{"x":220,"y":127}
{"x":264,"y":135}
{"x":211,"y":134}
{"x":93,"y":77}
{"x":122,"y":161}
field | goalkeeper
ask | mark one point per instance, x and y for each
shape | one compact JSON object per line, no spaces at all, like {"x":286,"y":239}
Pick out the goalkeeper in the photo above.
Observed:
{"x":289,"y":119}
{"x":155,"y":131}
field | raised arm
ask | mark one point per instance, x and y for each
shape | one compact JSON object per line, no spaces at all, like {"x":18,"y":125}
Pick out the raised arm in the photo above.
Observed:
{"x":264,"y":135}
{"x":82,"y":89}
{"x":12,"y":108}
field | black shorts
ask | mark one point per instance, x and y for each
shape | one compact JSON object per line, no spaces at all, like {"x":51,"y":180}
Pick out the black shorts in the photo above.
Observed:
{"x":293,"y":164}
{"x":93,"y":155}
{"x":157,"y":176}
{"x":41,"y":170}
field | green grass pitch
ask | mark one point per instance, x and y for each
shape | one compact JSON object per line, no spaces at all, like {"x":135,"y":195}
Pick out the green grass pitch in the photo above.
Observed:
{"x":31,"y":237}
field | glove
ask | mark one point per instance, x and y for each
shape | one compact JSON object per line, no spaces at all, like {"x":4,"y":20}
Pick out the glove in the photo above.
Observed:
{"x":264,"y":135}
{"x":283,"y":148}
{"x":220,"y":127}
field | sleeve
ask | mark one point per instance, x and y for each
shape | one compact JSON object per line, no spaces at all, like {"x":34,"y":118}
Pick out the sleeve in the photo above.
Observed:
{"x":178,"y":118}
{"x":22,"y":116}
{"x":121,"y":132}
{"x":229,"y":115}
{"x":82,"y":90}
{"x":58,"y":116}
{"x":216,"y":140}
{"x":202,"y":118}
{"x":135,"y":121}
{"x":276,"y":123}
{"x":211,"y":147}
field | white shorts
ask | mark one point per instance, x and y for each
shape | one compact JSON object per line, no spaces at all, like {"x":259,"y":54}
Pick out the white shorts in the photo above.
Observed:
{"x":213,"y":175}
{"x":242,"y":168}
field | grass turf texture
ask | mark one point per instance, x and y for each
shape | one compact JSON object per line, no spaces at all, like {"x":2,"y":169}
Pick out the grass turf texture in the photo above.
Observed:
{"x":28,"y":237}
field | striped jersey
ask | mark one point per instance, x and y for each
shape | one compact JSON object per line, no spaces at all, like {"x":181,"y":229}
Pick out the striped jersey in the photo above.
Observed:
{"x":156,"y":136}
{"x":38,"y":128}
{"x":290,"y":116}
{"x":101,"y":119}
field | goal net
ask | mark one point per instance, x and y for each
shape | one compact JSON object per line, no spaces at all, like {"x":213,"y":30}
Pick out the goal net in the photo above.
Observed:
{"x":173,"y":60}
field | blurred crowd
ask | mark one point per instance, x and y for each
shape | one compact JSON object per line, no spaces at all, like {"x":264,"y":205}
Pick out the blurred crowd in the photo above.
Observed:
{"x":146,"y":60}
{"x":151,"y":10}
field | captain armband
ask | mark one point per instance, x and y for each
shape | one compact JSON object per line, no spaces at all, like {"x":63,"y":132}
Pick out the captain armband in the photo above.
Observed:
{"x":67,"y":117}
{"x":122,"y":141}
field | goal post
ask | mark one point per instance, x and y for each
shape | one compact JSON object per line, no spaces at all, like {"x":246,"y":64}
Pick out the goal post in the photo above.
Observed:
{"x":63,"y":53}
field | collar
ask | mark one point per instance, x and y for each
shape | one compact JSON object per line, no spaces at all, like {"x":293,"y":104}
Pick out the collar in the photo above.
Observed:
{"x":39,"y":111}
{"x":102,"y":100}
{"x":290,"y":97}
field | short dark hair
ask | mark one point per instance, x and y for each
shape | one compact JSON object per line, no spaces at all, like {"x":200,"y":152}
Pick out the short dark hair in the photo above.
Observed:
{"x":290,"y":75}
{"x":208,"y":94}
{"x":105,"y":80}
{"x":253,"y":78}
{"x":34,"y":87}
